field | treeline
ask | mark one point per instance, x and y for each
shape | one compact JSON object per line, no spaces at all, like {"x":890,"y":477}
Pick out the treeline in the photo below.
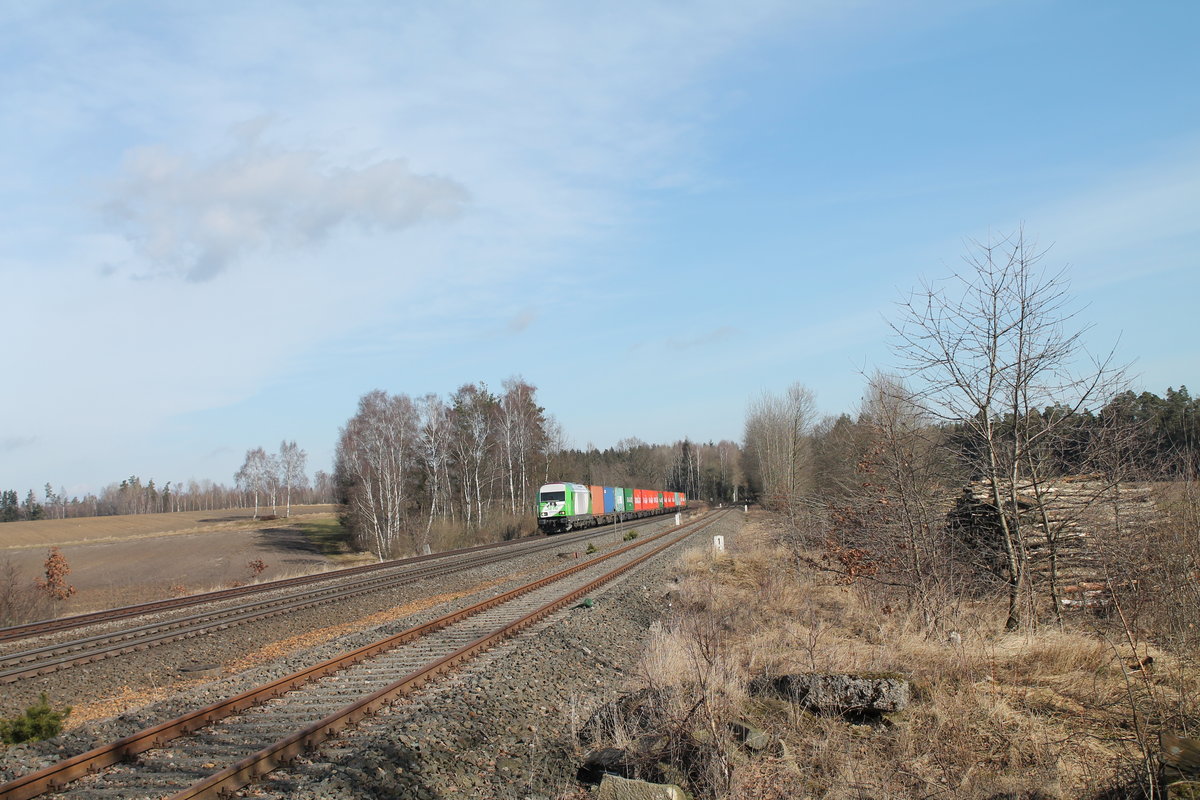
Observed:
{"x":132,"y":496}
{"x":709,"y":471}
{"x":791,"y":453}
{"x":445,"y":471}
{"x":409,"y":471}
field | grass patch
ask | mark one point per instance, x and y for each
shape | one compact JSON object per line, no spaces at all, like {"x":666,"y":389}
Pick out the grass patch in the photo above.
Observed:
{"x":330,"y":537}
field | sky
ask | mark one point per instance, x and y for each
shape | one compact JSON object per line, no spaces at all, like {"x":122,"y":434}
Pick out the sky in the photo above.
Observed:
{"x":223,"y":223}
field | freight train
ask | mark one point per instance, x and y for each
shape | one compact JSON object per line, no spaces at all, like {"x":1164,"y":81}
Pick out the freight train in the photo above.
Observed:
{"x":570,"y":506}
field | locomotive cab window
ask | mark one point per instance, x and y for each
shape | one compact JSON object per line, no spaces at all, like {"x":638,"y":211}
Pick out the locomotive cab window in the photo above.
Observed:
{"x":553,"y":497}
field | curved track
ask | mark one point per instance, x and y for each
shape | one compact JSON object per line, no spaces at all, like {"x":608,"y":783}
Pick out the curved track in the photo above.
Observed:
{"x":268,"y":726}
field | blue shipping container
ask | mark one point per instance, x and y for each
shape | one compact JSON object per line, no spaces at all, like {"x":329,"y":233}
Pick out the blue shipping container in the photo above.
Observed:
{"x":609,"y":500}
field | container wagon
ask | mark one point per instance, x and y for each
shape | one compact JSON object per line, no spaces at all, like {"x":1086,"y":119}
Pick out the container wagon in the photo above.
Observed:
{"x":571,"y":506}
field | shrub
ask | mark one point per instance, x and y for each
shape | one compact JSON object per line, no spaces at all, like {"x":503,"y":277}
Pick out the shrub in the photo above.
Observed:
{"x":591,"y":548}
{"x":38,"y":722}
{"x":631,"y":535}
{"x":55,"y":583}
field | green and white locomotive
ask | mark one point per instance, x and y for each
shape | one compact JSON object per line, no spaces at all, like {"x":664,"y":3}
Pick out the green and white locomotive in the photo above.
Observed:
{"x":563,"y":506}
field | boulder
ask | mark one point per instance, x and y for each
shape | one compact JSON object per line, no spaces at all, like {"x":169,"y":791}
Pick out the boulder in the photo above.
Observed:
{"x":751,"y":737}
{"x":606,"y":761}
{"x":615,"y":788}
{"x":837,"y":693}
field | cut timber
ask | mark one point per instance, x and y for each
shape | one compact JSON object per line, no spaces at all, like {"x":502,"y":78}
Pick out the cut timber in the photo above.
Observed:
{"x":1079,"y":512}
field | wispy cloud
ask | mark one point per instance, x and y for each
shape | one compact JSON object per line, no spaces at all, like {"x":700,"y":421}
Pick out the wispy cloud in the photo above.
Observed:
{"x":522,"y":321}
{"x":700,"y":340}
{"x":11,"y":443}
{"x":196,"y":217}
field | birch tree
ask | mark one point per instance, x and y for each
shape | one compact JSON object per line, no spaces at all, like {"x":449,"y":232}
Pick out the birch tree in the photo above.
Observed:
{"x":473,"y":415}
{"x":433,"y":443}
{"x":374,"y":461}
{"x":522,"y":430}
{"x":292,"y":461}
{"x":253,"y":477}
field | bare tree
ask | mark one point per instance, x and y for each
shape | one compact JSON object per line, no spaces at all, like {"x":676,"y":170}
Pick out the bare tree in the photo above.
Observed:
{"x":988,"y":349}
{"x":473,"y":415}
{"x":374,"y":461}
{"x":254,"y":476}
{"x":777,"y":442}
{"x":522,"y":423}
{"x":433,"y":443}
{"x":291,"y":469}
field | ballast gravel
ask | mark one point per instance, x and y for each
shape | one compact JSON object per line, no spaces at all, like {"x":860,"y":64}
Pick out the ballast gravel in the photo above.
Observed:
{"x":501,"y":727}
{"x":176,"y":665}
{"x":504,"y":726}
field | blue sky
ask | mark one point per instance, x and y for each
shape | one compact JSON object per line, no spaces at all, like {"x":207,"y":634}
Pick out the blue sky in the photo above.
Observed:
{"x":223,"y":223}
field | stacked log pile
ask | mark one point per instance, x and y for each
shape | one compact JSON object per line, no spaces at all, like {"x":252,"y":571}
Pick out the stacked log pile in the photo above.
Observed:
{"x":1082,"y":515}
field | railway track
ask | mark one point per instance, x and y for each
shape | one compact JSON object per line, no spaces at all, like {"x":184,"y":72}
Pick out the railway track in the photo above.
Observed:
{"x":313,"y":591}
{"x":49,"y":626}
{"x":258,"y":730}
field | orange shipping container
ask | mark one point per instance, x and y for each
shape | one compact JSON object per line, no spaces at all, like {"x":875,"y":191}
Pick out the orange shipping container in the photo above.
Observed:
{"x":597,"y":499}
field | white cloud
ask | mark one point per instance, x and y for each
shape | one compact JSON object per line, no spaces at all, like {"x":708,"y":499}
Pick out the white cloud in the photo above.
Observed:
{"x":200,"y":218}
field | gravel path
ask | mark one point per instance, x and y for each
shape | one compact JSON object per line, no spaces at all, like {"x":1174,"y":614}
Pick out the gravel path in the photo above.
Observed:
{"x":600,"y":638}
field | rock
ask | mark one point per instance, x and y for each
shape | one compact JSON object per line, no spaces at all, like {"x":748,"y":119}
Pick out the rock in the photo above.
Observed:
{"x":665,"y":772}
{"x":838,"y":694}
{"x":615,"y":788}
{"x":753,"y":738}
{"x":605,"y":761}
{"x":508,"y":765}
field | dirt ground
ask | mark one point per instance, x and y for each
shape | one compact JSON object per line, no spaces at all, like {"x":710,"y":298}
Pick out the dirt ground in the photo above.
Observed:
{"x":211,"y":555}
{"x":46,"y":532}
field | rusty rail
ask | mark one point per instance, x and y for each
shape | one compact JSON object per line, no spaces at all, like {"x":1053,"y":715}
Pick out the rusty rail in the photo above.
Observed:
{"x":50,"y":658}
{"x":269,"y":758}
{"x":58,"y":775}
{"x":141,"y":609}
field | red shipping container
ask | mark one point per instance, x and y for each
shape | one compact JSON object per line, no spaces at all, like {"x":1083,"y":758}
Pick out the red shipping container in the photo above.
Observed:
{"x":597,"y":499}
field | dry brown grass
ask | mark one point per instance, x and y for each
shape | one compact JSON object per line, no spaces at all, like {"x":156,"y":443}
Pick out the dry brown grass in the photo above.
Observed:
{"x":1046,"y":713}
{"x":46,"y":532}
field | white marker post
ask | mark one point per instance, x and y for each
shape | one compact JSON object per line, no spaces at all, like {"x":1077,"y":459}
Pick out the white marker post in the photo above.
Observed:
{"x":678,"y":519}
{"x":718,"y":543}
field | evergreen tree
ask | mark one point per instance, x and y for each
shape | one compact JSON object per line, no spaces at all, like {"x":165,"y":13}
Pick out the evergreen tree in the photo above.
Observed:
{"x":10,"y":511}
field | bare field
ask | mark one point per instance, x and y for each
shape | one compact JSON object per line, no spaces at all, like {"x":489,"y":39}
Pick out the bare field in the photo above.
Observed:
{"x":162,"y":555}
{"x":48,"y":532}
